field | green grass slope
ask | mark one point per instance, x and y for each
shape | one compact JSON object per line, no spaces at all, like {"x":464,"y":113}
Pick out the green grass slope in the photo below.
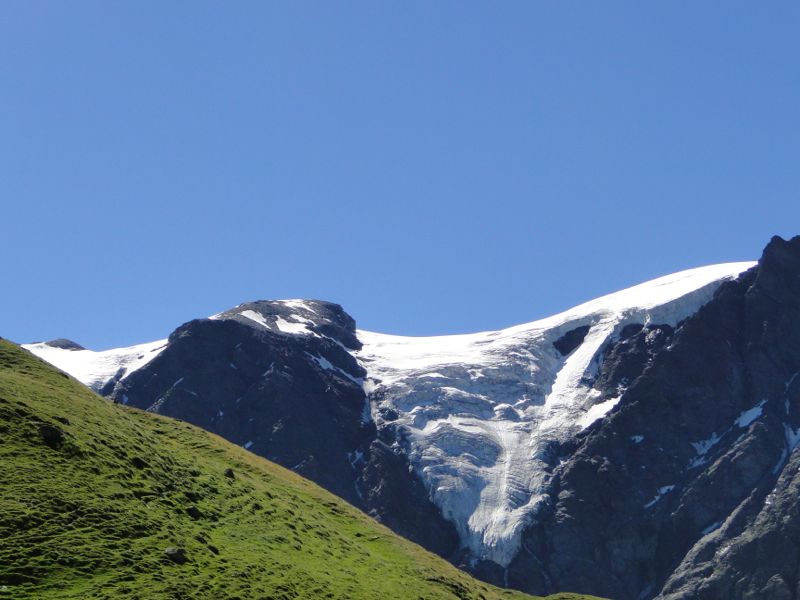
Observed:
{"x":102,"y":501}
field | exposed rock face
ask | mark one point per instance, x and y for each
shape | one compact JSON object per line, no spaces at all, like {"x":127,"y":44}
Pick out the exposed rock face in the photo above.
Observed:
{"x":396,"y":496}
{"x":293,"y":398}
{"x":279,"y":378}
{"x":689,"y":488}
{"x":639,"y":446}
{"x":485,"y":419}
{"x":65,"y":344}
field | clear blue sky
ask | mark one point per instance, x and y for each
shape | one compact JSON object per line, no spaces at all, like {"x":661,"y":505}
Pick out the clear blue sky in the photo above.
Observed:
{"x":435,"y":167}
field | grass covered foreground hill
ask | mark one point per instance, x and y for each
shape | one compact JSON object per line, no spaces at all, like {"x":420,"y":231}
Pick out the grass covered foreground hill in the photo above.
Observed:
{"x":102,"y":501}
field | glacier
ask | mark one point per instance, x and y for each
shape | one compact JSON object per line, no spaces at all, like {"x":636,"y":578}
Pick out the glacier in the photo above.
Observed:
{"x":482,"y":414}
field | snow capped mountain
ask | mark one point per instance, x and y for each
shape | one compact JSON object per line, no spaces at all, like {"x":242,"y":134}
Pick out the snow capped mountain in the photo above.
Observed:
{"x":480,"y":418}
{"x":638,"y":446}
{"x":98,"y":370}
{"x":483,"y":415}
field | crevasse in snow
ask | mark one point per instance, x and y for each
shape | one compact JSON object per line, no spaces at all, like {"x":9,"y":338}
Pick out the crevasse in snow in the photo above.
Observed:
{"x":481,"y":413}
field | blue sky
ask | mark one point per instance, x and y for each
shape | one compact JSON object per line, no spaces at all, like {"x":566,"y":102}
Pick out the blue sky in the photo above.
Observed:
{"x":435,"y":167}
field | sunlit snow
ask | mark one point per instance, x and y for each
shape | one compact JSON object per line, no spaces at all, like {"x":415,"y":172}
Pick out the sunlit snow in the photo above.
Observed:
{"x":661,"y":492}
{"x":289,"y":326}
{"x":483,"y":412}
{"x":94,"y":369}
{"x":255,"y":316}
{"x":597,"y":411}
{"x":750,"y":415}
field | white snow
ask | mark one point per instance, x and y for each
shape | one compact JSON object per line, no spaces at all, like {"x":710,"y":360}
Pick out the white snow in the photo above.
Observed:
{"x":781,"y":461}
{"x":297,"y":325}
{"x":713,"y":527}
{"x":792,"y":437}
{"x":255,"y":316}
{"x":750,"y":415}
{"x":290,"y":327}
{"x":329,"y":366}
{"x":355,"y":458}
{"x":661,"y":492}
{"x":154,"y":407}
{"x":95,"y":369}
{"x":703,"y":446}
{"x":789,"y":383}
{"x":597,"y":411}
{"x":786,"y":402}
{"x":482,"y":411}
{"x":366,"y":412}
{"x":300,"y":305}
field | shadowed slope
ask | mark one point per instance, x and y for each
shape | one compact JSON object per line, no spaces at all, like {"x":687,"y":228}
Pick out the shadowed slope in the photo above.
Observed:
{"x":103,"y":501}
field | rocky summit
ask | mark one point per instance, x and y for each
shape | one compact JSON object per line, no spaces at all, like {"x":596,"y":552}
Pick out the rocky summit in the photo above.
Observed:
{"x":637,"y":446}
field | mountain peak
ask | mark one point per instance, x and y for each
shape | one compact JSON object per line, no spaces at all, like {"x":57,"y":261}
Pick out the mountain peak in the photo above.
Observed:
{"x":64,"y":344}
{"x":297,"y":317}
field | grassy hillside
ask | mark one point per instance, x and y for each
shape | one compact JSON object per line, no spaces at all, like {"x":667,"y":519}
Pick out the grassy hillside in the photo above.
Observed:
{"x":102,"y":501}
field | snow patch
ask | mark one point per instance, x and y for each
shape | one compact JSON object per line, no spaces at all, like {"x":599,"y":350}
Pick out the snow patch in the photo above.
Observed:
{"x":792,"y":437}
{"x":702,"y":447}
{"x":790,"y":382}
{"x":290,"y":327}
{"x":662,"y":491}
{"x":160,"y":400}
{"x":355,"y":458}
{"x":300,"y":305}
{"x":298,"y":324}
{"x":597,"y":411}
{"x":781,"y":461}
{"x":255,"y":316}
{"x":750,"y":415}
{"x":366,"y":412}
{"x":329,"y":366}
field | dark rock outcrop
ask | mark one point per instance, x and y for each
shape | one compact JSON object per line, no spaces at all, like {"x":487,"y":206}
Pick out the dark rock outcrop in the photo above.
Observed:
{"x":571,"y":340}
{"x":295,"y":399}
{"x":279,"y":379}
{"x":397,"y":497}
{"x":176,"y":555}
{"x":51,"y":435}
{"x":65,"y":344}
{"x":688,"y":489}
